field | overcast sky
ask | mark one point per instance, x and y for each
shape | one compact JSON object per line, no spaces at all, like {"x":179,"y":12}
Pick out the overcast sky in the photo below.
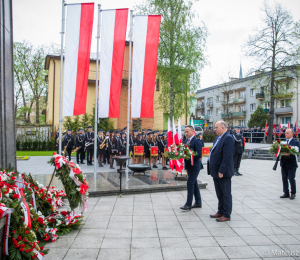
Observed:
{"x":229,"y":22}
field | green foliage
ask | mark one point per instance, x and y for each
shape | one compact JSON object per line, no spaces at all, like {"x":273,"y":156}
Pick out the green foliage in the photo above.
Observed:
{"x":258,"y":118}
{"x":34,"y":145}
{"x":180,"y":53}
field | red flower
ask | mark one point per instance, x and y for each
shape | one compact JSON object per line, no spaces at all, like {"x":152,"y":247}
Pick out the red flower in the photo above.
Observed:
{"x":21,"y":249}
{"x":13,"y":178}
{"x":15,"y":196}
{"x":77,"y":171}
{"x":52,"y":220}
{"x":14,"y":232}
{"x":278,"y":141}
{"x":42,"y":248}
{"x":83,"y":188}
{"x":184,"y":152}
{"x":19,"y":237}
{"x":290,"y":147}
{"x":27,"y":250}
{"x":23,"y":245}
{"x":1,"y":213}
{"x":64,"y":213}
{"x":284,"y":145}
{"x":26,"y":232}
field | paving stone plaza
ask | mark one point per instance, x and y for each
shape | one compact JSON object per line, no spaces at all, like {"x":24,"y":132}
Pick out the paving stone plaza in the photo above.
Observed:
{"x":151,"y":225}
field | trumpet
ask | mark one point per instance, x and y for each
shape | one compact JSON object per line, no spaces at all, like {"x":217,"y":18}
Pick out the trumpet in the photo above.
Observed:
{"x":88,"y":144}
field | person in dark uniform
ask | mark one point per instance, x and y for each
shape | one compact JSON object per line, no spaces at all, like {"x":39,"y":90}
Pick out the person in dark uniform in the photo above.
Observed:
{"x":122,"y":145}
{"x":112,"y":148}
{"x":106,"y":153}
{"x":238,"y":150}
{"x":140,"y":142}
{"x":135,"y":140}
{"x":289,"y":165}
{"x":57,"y":141}
{"x":89,"y":144}
{"x":163,"y":142}
{"x":80,"y":146}
{"x":155,"y":143}
{"x":147,"y":145}
{"x":101,"y":146}
{"x":68,"y":143}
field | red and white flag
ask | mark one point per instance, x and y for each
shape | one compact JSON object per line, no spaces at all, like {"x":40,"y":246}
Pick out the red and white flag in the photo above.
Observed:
{"x":145,"y":50}
{"x":175,"y":134}
{"x":266,"y":129}
{"x":77,"y":58}
{"x":113,"y":35}
{"x":169,"y":137}
{"x":179,"y":131}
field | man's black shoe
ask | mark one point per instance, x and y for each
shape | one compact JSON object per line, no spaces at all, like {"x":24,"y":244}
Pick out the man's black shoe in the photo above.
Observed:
{"x":285,"y":196}
{"x":238,"y":174}
{"x":154,"y":166}
{"x":77,"y":162}
{"x":185,"y":207}
{"x":164,"y":168}
{"x":197,"y":206}
{"x":82,"y":163}
{"x":293,"y":196}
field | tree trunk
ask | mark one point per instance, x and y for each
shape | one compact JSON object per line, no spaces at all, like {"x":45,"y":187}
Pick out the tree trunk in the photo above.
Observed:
{"x":37,"y":110}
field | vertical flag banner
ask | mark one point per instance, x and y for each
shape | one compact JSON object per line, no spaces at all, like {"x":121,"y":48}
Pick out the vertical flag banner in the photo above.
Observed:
{"x":145,"y":50}
{"x":113,"y":35}
{"x":79,"y":28}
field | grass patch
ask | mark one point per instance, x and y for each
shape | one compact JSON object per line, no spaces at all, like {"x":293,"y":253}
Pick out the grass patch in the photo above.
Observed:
{"x":35,"y":153}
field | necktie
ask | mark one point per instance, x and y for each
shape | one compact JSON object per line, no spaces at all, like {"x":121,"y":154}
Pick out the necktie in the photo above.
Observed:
{"x":287,"y":142}
{"x":187,"y":141}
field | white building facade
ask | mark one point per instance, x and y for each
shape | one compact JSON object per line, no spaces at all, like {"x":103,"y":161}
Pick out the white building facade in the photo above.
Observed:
{"x":236,"y":100}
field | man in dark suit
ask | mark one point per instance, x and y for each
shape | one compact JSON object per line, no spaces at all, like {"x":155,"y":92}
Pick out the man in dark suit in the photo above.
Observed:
{"x":289,"y":164}
{"x":193,"y":170}
{"x":220,"y":166}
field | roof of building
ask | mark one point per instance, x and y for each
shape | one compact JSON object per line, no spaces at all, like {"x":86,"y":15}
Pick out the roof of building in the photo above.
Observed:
{"x":239,"y":80}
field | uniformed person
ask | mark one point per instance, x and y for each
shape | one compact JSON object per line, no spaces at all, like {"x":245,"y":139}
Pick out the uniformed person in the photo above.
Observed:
{"x":135,"y":141}
{"x":164,"y":145}
{"x":147,"y":145}
{"x":68,"y":143}
{"x":89,"y":144}
{"x":80,"y":146}
{"x":117,"y":134}
{"x":141,"y":142}
{"x":122,"y":145}
{"x":101,"y":146}
{"x":155,"y":143}
{"x":57,"y":141}
{"x":106,"y":153}
{"x":112,"y":148}
{"x":238,"y":151}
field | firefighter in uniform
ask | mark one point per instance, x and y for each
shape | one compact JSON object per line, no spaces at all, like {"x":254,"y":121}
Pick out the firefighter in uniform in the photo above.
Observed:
{"x":68,"y":143}
{"x":89,"y":144}
{"x":238,"y":151}
{"x":80,"y":146}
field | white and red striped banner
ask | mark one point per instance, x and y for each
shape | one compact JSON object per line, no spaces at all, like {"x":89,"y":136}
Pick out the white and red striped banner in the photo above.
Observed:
{"x":145,"y":50}
{"x":77,"y":58}
{"x":113,"y":35}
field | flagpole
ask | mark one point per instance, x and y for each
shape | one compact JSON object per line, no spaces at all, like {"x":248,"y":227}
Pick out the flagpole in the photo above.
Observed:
{"x":61,"y":72}
{"x":129,"y":85}
{"x":96,"y":92}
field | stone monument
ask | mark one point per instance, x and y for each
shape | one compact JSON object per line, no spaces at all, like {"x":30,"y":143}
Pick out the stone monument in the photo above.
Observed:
{"x":7,"y":114}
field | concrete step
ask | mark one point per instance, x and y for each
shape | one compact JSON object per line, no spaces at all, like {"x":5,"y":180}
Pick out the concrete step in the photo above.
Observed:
{"x":261,"y":151}
{"x":263,"y":155}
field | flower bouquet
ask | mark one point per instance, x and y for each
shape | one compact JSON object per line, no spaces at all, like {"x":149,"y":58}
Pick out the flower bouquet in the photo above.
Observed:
{"x":180,"y":151}
{"x":279,"y":148}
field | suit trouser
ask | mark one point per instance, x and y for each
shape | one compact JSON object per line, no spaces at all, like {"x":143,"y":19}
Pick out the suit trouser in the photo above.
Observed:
{"x":89,"y":156}
{"x":223,"y":191}
{"x":69,"y":151}
{"x":193,"y":188}
{"x":237,"y":157}
{"x":80,"y":152}
{"x":288,"y":174}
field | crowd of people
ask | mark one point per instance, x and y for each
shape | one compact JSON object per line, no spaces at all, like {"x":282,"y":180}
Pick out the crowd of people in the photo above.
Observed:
{"x":114,"y":143}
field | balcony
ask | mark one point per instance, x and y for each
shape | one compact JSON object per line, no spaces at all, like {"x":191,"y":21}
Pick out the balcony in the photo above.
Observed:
{"x":240,"y":100}
{"x":200,"y":106}
{"x":210,"y":104}
{"x":266,"y":110}
{"x":234,"y":114}
{"x":283,"y":110}
{"x":260,"y":96}
{"x":205,"y":117}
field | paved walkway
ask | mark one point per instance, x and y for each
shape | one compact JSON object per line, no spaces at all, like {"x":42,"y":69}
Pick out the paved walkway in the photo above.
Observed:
{"x":151,"y":226}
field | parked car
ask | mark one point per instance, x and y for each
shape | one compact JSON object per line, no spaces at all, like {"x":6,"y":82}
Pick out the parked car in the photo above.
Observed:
{"x":198,"y":129}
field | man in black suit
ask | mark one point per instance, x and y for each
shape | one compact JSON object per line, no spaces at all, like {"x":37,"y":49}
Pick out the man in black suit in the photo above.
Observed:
{"x":220,"y":166}
{"x":289,"y":164}
{"x":193,"y":170}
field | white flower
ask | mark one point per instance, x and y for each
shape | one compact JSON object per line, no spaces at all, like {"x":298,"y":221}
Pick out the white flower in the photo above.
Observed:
{"x":295,"y":148}
{"x":41,"y":186}
{"x":11,"y":190}
{"x":58,"y":222}
{"x":283,"y":142}
{"x":78,"y":189}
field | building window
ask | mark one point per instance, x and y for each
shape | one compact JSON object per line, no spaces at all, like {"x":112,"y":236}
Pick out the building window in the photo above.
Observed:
{"x":252,"y":92}
{"x":231,"y":96}
{"x":218,"y":98}
{"x":285,"y":103}
{"x":242,"y":123}
{"x":267,"y":105}
{"x":286,"y":120}
{"x":241,"y":94}
{"x":217,"y":112}
{"x":252,"y":107}
{"x":208,"y":112}
{"x":242,"y":108}
{"x":157,"y":85}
